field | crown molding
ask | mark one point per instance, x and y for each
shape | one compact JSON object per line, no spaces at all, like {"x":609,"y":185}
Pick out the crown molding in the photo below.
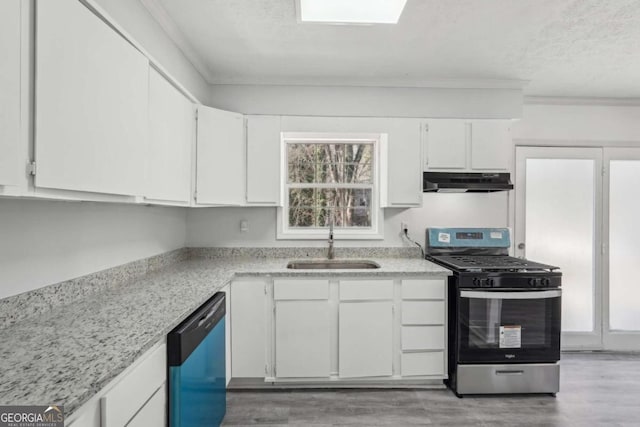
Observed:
{"x":162,"y":17}
{"x":373,"y":82}
{"x":576,"y":100}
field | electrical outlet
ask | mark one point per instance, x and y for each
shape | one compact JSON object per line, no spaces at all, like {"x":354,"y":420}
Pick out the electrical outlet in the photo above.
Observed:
{"x":244,"y":226}
{"x":403,"y":226}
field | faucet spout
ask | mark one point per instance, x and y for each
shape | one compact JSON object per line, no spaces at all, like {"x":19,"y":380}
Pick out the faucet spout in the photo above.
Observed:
{"x":330,"y":254}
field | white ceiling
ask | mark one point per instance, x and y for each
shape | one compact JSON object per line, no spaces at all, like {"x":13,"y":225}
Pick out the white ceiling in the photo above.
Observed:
{"x":586,"y":48}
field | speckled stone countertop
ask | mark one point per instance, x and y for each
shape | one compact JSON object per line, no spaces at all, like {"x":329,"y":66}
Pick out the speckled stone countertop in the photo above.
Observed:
{"x":70,"y":353}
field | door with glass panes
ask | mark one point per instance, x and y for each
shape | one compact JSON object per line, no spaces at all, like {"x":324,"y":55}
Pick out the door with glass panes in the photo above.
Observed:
{"x":575,"y":207}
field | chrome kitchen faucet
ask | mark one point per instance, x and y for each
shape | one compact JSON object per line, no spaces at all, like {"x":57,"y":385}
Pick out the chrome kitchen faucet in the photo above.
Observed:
{"x":330,"y":251}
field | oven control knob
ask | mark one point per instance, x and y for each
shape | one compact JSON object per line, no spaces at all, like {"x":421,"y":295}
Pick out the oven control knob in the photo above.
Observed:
{"x":546,"y":281}
{"x":477,"y":282}
{"x":532,"y":282}
{"x":490,"y":283}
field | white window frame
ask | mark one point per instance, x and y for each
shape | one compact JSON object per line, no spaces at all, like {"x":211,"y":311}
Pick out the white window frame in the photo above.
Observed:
{"x":375,"y":232}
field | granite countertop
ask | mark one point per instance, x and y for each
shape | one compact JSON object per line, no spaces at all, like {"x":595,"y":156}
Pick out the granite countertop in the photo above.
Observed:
{"x":70,"y":353}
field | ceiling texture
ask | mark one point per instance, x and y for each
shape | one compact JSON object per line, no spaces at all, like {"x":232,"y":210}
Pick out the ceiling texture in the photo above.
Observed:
{"x":576,"y":48}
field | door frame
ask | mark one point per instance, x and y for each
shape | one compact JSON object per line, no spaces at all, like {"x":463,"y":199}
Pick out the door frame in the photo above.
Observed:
{"x":570,"y":340}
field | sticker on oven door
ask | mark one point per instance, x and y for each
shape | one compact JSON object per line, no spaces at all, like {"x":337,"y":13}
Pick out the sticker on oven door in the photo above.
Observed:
{"x":496,"y":234}
{"x":510,"y":336}
{"x":444,"y":238}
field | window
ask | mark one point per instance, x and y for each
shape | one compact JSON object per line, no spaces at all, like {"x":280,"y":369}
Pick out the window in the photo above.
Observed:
{"x":330,"y":178}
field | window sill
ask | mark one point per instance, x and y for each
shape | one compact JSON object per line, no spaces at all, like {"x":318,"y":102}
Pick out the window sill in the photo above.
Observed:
{"x":325,"y":236}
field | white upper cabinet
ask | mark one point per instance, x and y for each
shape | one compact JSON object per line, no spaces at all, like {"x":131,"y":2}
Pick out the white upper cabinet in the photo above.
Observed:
{"x":491,"y":147}
{"x":467,"y":146}
{"x":403,"y":163}
{"x":446,"y":144}
{"x":263,"y":160}
{"x":91,"y":103}
{"x":10,"y":21}
{"x":171,"y":135}
{"x":220,"y":158}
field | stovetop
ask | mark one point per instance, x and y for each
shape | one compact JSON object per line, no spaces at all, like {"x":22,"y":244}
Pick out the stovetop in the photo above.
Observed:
{"x":490,"y":263}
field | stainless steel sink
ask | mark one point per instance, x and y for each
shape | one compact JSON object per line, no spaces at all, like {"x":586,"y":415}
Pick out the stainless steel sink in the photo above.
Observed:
{"x":332,"y":264}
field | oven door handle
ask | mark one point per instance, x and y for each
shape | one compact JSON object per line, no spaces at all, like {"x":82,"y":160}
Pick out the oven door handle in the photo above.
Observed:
{"x":511,"y":295}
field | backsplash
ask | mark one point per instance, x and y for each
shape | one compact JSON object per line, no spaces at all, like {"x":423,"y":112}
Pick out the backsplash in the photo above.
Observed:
{"x":308,"y":252}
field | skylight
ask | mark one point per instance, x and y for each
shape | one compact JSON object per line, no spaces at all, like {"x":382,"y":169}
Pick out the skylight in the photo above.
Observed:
{"x":351,"y":11}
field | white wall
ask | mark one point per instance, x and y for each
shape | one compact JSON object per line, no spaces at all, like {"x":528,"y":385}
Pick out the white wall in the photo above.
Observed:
{"x":351,"y":101}
{"x":561,"y":123}
{"x":136,"y":20}
{"x":45,"y":242}
{"x":221,"y":226}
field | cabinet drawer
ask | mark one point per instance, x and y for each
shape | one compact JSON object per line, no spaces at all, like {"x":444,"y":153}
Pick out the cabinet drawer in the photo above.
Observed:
{"x":423,"y":312}
{"x":366,"y":289}
{"x":423,"y":337}
{"x":428,"y":363}
{"x":303,"y":289}
{"x":153,"y":412}
{"x":125,"y":399}
{"x":423,"y":289}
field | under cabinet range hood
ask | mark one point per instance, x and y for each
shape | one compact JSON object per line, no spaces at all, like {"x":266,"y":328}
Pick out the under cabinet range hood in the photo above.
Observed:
{"x":463,"y":182}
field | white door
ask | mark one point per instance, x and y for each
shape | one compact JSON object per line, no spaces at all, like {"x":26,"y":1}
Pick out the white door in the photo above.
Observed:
{"x":446,"y":145}
{"x":91,"y":117}
{"x":172,"y":123}
{"x":365,"y":339}
{"x":558,"y":217}
{"x":10,"y":166}
{"x":302,"y":339}
{"x":220,"y":176}
{"x":622,"y":248}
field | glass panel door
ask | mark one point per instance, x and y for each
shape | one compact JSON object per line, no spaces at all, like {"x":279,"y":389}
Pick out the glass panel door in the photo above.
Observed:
{"x":622,"y":230}
{"x":557,"y":222}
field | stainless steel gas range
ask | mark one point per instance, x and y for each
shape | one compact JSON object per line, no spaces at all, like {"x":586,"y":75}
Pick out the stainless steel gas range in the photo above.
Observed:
{"x":504,"y":314}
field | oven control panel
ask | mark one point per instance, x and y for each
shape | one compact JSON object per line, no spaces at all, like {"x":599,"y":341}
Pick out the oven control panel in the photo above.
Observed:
{"x":510,"y":280}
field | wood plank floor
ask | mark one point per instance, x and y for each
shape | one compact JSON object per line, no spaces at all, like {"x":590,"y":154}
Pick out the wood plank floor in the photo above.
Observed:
{"x":596,"y":389}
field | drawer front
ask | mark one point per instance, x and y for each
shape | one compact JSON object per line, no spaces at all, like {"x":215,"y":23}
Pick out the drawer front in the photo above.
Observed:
{"x":423,"y":337}
{"x":423,"y":312}
{"x":366,"y":289}
{"x":125,"y":399}
{"x":516,"y":378}
{"x":427,"y":363}
{"x":302,"y":289}
{"x":423,"y":289}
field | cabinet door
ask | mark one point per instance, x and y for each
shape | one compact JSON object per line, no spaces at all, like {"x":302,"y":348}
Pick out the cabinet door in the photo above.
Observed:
{"x":404,"y":165}
{"x":365,"y":339}
{"x":263,"y":160}
{"x":221,"y":157}
{"x":248,"y":329}
{"x":91,"y":103}
{"x":153,"y":413}
{"x":302,"y":339}
{"x":10,"y":20}
{"x":491,"y":147}
{"x":446,"y":142}
{"x":171,"y":130}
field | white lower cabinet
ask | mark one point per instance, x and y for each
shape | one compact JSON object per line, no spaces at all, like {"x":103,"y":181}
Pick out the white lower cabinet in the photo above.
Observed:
{"x":153,"y":412}
{"x":351,"y":330}
{"x":247,"y":321}
{"x":301,"y":328}
{"x":365,"y":339}
{"x":302,"y":339}
{"x":136,"y":398}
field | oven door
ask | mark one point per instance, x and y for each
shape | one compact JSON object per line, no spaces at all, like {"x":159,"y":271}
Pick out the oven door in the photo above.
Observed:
{"x":508,"y":326}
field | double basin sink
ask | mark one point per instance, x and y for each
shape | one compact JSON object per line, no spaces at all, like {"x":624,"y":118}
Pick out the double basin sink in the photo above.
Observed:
{"x":332,"y":264}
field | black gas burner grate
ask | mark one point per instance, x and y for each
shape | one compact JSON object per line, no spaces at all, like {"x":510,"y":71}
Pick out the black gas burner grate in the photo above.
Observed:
{"x":494,"y":262}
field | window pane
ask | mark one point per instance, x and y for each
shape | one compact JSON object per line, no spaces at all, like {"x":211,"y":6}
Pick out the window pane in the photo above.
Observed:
{"x":624,"y":251}
{"x":301,"y":159}
{"x":301,"y":197}
{"x":330,"y":173}
{"x":559,"y":224}
{"x":358,"y":173}
{"x":358,"y":217}
{"x":301,"y":217}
